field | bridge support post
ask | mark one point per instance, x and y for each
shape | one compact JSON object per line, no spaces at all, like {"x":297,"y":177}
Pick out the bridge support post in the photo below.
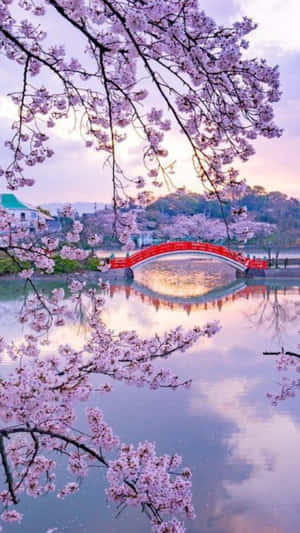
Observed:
{"x":255,"y":273}
{"x":119,"y":274}
{"x":129,"y":276}
{"x":251,"y":273}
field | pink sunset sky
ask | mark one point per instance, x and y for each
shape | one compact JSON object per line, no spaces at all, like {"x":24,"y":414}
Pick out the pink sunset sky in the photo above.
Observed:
{"x":76,"y":174}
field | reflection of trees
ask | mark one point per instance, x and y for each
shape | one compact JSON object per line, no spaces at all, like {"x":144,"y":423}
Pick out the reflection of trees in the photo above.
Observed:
{"x":275,"y":311}
{"x":288,"y":385}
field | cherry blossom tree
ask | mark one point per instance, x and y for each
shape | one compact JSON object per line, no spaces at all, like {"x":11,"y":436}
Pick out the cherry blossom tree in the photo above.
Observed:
{"x":37,"y":413}
{"x":128,"y":55}
{"x":196,"y":227}
{"x":242,"y":230}
{"x":100,"y":222}
{"x":219,"y":100}
{"x":200,"y":227}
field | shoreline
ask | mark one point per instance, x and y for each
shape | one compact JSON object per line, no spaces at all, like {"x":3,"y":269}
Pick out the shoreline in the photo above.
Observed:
{"x":88,"y":275}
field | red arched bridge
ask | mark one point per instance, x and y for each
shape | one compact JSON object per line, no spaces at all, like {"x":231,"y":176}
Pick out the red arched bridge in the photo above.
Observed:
{"x":236,"y":259}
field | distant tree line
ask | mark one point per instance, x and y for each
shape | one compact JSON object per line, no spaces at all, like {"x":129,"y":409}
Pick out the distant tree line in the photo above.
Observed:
{"x":267,"y":208}
{"x":271,"y":207}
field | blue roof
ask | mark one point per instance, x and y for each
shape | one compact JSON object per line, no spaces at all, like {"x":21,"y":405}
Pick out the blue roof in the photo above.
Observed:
{"x":10,"y":201}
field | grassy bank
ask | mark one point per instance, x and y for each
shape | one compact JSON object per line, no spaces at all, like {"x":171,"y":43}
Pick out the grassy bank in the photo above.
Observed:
{"x":62,"y":266}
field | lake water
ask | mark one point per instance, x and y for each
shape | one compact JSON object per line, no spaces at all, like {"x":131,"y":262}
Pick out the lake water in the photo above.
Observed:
{"x":244,"y":452}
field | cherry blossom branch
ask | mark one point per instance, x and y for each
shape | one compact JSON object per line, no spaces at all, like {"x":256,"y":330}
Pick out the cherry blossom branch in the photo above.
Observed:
{"x":78,"y":26}
{"x":7,"y":472}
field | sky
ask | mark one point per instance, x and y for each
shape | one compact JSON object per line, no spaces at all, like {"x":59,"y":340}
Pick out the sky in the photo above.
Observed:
{"x":76,"y":174}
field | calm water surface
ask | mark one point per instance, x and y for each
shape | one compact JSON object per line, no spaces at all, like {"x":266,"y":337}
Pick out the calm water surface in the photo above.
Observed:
{"x":244,"y":452}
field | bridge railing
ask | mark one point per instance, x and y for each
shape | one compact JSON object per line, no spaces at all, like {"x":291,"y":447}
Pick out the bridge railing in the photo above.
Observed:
{"x":185,"y":246}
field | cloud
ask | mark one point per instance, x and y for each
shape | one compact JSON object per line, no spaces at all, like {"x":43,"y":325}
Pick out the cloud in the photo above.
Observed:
{"x":8,"y":110}
{"x":278,"y":23}
{"x":269,"y":443}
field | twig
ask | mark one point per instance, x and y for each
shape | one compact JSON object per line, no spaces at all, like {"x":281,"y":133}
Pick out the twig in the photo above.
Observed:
{"x":292,"y":354}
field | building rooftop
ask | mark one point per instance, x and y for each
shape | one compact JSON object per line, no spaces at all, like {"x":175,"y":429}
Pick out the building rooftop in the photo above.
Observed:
{"x":10,"y":201}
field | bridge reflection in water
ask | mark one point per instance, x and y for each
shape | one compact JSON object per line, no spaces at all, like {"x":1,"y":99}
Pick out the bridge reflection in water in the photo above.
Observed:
{"x":214,"y":299}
